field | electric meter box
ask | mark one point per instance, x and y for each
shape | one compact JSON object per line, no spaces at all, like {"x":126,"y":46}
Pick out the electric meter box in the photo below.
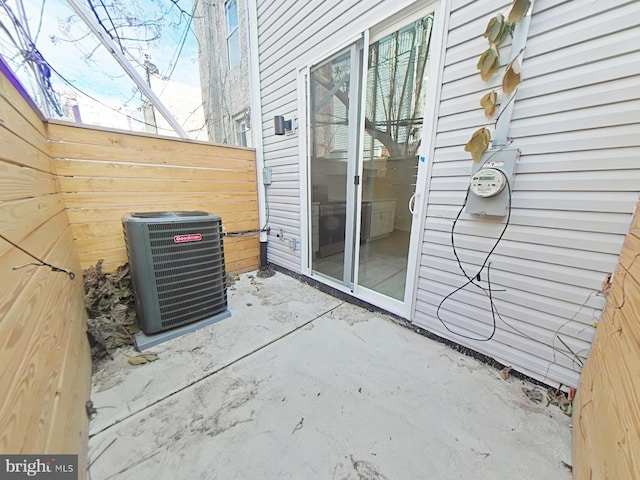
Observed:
{"x":488,"y":186}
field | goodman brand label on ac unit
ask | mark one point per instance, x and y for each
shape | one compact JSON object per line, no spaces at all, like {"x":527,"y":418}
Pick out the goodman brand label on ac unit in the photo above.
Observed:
{"x":191,"y":237}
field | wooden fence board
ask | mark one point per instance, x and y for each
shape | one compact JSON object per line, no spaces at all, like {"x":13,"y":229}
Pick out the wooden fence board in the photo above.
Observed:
{"x":114,"y":214}
{"x":14,"y":121}
{"x":148,"y":154}
{"x":131,"y":185}
{"x":18,"y":151}
{"x":39,"y":329}
{"x":24,"y":182}
{"x":606,"y":434}
{"x":93,"y":168}
{"x":95,"y":137}
{"x":14,"y":98}
{"x":20,"y":218}
{"x":34,"y":358}
{"x":139,"y":199}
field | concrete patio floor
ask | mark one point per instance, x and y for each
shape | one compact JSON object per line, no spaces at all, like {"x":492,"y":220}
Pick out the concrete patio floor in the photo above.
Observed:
{"x":300,"y":385}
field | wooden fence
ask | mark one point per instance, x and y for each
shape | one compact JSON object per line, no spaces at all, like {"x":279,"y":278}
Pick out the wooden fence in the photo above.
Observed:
{"x":105,"y":174}
{"x":606,"y":426}
{"x":45,"y":367}
{"x":63,"y":190}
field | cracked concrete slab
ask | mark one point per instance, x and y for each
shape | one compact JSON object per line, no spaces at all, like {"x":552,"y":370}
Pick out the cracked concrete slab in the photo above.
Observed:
{"x":348,"y":396}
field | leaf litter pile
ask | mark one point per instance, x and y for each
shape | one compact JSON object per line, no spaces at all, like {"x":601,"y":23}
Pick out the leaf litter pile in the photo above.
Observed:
{"x":109,"y":300}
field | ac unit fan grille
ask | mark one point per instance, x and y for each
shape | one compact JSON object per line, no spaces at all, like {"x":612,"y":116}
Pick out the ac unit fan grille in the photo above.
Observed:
{"x":189,"y":276}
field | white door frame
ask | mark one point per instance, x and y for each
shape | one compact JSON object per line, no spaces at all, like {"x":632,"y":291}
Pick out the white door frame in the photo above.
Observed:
{"x":404,"y":308}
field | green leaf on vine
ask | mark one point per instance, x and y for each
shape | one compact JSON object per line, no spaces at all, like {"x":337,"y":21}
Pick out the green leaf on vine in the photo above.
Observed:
{"x":489,"y":62}
{"x":478,"y":143}
{"x":518,"y":10}
{"x":488,"y":102}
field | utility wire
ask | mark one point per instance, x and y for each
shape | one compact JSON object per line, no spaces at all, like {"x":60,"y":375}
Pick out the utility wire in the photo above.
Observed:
{"x":178,"y":52}
{"x":471,"y":280}
{"x":35,"y":40}
{"x":68,"y":82}
{"x":41,"y":263}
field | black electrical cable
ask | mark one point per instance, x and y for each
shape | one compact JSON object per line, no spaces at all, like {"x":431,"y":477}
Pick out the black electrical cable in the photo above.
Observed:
{"x":471,"y":280}
{"x":488,"y":291}
{"x":41,"y":263}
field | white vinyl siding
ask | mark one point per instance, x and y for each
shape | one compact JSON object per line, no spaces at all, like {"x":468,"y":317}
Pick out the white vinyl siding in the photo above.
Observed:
{"x":293,"y":34}
{"x":576,"y":120}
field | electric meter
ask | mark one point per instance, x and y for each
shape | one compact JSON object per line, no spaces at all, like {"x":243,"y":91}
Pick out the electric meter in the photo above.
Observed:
{"x":488,"y":182}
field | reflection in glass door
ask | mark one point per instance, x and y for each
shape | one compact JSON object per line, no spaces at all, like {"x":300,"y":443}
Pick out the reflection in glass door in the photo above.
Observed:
{"x":333,"y":156}
{"x":394,"y":111}
{"x":363,"y":158}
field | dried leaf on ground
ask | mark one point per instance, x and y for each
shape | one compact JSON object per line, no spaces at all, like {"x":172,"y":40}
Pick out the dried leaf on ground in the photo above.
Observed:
{"x":489,"y":62}
{"x":478,"y":144}
{"x":488,"y":102}
{"x":518,"y":10}
{"x":143,"y":358}
{"x":505,"y":373}
{"x":110,"y":306}
{"x":533,"y":394}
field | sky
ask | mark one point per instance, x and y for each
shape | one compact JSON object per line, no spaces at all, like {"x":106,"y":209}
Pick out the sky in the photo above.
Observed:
{"x":63,"y":41}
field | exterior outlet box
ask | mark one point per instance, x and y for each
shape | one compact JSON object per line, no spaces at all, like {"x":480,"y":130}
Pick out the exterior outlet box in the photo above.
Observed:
{"x":267,"y":175}
{"x":505,"y":161}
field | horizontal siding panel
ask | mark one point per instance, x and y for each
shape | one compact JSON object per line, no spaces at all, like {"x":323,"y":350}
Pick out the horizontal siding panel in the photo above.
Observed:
{"x":619,"y":90}
{"x":603,"y":222}
{"x":290,"y":161}
{"x":540,"y":369}
{"x":579,"y":76}
{"x":466,"y":109}
{"x":524,"y":336}
{"x":556,"y":15}
{"x":300,"y":17}
{"x":596,"y":50}
{"x":571,"y":201}
{"x":478,"y":9}
{"x":474,"y":245}
{"x":461,"y":33}
{"x":285,"y":257}
{"x":565,"y":307}
{"x":598,"y":181}
{"x":623,"y":114}
{"x":89,"y":168}
{"x":600,"y":138}
{"x":538,"y":230}
{"x":580,"y":327}
{"x":581,"y":33}
{"x":441,"y":256}
{"x":590,"y":161}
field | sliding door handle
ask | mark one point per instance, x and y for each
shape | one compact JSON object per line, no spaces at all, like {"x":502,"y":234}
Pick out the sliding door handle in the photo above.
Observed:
{"x":412,"y":203}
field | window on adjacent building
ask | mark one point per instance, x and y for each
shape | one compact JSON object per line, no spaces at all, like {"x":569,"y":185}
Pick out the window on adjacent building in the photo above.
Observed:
{"x":233,"y":36}
{"x":241,"y":133}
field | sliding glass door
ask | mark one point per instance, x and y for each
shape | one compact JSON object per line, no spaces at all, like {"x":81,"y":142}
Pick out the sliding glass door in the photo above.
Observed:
{"x":394,"y":111}
{"x":366,"y":108}
{"x":333,"y":122}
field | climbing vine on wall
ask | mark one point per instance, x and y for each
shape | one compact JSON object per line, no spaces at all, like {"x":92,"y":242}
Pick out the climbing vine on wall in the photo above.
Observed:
{"x":498,"y":29}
